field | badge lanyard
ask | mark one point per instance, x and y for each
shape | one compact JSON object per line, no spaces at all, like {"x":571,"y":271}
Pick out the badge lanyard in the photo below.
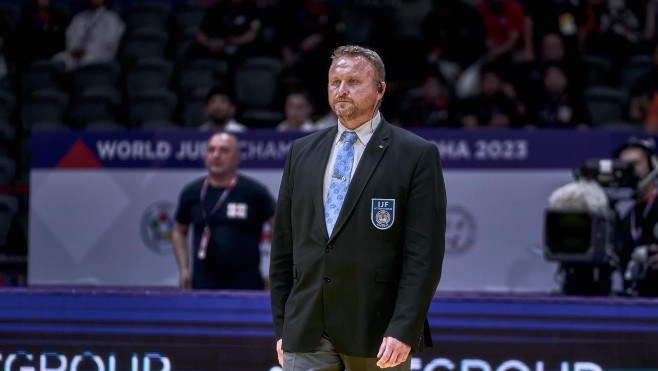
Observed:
{"x":636,"y":231}
{"x":205,"y":237}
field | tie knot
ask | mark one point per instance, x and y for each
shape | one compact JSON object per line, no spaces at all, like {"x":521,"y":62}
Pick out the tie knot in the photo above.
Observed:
{"x":349,"y":136}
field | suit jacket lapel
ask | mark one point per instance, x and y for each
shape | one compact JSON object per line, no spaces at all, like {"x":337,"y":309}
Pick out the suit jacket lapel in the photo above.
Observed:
{"x":369,"y":161}
{"x":316,"y":176}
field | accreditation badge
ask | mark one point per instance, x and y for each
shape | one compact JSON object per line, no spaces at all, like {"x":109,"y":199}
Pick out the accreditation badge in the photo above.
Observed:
{"x":382,"y":214}
{"x":203,"y":244}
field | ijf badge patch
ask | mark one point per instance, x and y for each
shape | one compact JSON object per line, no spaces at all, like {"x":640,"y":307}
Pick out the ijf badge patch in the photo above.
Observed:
{"x":382,"y":214}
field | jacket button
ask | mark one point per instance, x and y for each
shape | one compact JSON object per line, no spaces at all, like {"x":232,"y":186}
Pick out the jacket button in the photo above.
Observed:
{"x":328,"y":248}
{"x":327,"y":279}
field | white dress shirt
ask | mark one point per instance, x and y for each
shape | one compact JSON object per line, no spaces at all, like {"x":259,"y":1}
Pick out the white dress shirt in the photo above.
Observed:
{"x":364,"y":133}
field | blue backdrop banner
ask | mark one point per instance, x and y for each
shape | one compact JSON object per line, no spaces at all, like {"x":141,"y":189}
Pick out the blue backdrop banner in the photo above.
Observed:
{"x":184,"y":148}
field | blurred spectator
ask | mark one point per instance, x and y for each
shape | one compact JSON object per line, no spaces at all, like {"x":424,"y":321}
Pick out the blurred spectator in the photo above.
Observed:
{"x":453,"y":35}
{"x":298,"y":109}
{"x":306,"y":33}
{"x":226,"y":212}
{"x":495,"y":105}
{"x":94,"y":35}
{"x":567,"y":19}
{"x":228,"y":31}
{"x":552,"y":50}
{"x":621,"y":28}
{"x":39,"y":32}
{"x":643,"y":100}
{"x":505,"y":27}
{"x":220,"y":111}
{"x":432,"y":108}
{"x":528,"y":78}
{"x":327,"y":119}
{"x":558,"y":106}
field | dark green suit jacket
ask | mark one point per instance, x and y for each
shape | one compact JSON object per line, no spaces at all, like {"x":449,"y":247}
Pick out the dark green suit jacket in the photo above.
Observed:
{"x":376,"y":275}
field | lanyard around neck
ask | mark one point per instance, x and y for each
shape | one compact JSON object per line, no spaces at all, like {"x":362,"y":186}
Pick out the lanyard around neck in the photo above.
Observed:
{"x":205,"y":237}
{"x":220,"y":201}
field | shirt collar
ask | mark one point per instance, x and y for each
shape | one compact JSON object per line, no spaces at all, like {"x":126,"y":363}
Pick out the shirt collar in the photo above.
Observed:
{"x":363,"y":132}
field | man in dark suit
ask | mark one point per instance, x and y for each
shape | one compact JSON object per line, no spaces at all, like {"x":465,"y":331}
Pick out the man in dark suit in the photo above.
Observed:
{"x":352,"y":281}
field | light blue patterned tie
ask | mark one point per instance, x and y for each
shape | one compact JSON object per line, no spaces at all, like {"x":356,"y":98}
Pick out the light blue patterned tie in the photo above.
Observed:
{"x":340,"y":180}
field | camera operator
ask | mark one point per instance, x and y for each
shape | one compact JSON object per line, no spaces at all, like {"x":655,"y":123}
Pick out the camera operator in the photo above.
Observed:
{"x":639,"y":228}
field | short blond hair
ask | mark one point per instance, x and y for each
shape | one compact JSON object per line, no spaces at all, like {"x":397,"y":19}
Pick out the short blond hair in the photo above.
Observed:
{"x":369,"y":54}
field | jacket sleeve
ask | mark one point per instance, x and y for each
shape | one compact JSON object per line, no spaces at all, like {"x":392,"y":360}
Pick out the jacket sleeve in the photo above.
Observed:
{"x":423,"y":249}
{"x":281,"y":261}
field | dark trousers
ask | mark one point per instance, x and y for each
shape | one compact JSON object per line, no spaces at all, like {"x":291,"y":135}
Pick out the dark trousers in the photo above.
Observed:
{"x":325,"y":358}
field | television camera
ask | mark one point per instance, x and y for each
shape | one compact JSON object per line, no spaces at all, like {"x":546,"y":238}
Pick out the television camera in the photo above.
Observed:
{"x":582,"y":222}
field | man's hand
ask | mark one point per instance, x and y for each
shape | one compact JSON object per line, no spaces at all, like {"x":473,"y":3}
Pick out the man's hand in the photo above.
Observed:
{"x":279,"y":351}
{"x":392,"y":352}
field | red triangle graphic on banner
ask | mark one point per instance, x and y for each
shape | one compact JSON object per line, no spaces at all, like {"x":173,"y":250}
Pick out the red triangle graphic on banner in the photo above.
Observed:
{"x":79,"y":156}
